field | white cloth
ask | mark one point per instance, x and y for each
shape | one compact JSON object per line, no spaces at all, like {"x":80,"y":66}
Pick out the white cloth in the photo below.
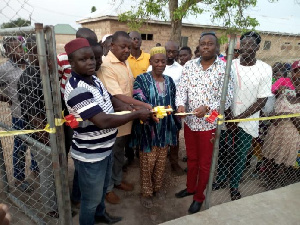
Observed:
{"x":174,"y":71}
{"x":269,"y":107}
{"x":250,"y":83}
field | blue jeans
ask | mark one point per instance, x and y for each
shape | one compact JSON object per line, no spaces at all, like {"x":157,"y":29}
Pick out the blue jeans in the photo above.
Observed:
{"x":76,"y":195}
{"x":20,"y":151}
{"x":93,"y":179}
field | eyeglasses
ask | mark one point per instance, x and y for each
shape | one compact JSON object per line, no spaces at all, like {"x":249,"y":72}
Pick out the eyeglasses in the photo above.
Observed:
{"x":208,"y":33}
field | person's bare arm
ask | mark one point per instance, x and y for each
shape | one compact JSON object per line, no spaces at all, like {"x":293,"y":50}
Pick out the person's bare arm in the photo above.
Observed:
{"x":130,"y":100}
{"x":255,"y":107}
{"x":120,"y":105}
{"x":105,"y":121}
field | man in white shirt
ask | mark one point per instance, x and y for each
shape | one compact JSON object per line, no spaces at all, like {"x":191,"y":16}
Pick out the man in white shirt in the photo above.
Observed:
{"x":252,"y":87}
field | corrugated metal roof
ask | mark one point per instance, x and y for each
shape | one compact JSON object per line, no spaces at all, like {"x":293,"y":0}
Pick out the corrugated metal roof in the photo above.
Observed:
{"x":64,"y":29}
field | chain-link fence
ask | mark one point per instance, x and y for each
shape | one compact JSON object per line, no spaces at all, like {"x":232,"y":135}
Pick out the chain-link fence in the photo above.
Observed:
{"x":256,"y":156}
{"x":33,"y":166}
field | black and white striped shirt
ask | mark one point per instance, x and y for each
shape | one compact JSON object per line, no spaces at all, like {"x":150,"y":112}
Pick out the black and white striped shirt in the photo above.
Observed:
{"x":85,"y":99}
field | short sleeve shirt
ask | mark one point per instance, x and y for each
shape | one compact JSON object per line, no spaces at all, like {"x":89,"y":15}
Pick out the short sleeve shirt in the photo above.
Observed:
{"x":250,"y":83}
{"x":140,"y":65}
{"x":64,"y":70}
{"x":86,"y":99}
{"x":118,"y":79}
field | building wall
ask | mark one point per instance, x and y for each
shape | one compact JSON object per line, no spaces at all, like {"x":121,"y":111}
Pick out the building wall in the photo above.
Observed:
{"x":279,"y":51}
{"x":61,"y":40}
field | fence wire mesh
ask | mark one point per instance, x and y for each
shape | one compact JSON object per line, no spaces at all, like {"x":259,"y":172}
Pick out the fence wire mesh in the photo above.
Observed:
{"x":257,"y":156}
{"x":28,"y":166}
{"x":31,"y":172}
{"x":252,"y":159}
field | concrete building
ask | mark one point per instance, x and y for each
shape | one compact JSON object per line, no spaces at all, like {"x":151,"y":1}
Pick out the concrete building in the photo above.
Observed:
{"x":275,"y":46}
{"x":63,"y":34}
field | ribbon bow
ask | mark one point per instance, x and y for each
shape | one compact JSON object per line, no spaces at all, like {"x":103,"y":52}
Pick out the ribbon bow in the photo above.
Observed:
{"x":161,"y":111}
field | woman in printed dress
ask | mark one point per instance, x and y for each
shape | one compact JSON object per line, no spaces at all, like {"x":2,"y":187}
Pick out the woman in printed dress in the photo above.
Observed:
{"x":282,"y":143}
{"x":154,"y":137}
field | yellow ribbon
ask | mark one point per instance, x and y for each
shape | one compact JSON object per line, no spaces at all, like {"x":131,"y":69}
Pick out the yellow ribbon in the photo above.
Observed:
{"x":160,"y":111}
{"x":17,"y":132}
{"x":259,"y":118}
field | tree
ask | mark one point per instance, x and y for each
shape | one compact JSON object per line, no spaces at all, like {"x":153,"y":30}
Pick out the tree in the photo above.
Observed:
{"x":231,"y":12}
{"x":16,"y":23}
{"x":93,"y":9}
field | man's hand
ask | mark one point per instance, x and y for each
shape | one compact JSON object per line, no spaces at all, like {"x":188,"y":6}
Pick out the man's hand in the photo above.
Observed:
{"x":136,"y":107}
{"x":181,"y":109}
{"x":4,"y":215}
{"x":147,"y":106}
{"x":154,"y":118}
{"x":144,"y":114}
{"x":201,"y":111}
{"x":124,"y":107}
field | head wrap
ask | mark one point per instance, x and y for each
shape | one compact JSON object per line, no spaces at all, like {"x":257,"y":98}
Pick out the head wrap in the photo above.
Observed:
{"x":76,"y":44}
{"x":157,"y":50}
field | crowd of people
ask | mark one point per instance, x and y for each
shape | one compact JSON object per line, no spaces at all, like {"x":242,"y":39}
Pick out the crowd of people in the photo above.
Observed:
{"x":99,"y":79}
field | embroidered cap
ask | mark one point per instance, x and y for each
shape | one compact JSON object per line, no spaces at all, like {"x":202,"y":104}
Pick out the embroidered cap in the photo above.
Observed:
{"x":157,"y":50}
{"x":76,"y":44}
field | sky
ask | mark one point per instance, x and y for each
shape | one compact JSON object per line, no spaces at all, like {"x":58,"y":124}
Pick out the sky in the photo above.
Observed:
{"x":272,"y":16}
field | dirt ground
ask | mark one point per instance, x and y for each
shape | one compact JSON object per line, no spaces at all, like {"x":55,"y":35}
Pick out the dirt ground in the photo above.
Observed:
{"x":129,"y":208}
{"x":164,"y":210}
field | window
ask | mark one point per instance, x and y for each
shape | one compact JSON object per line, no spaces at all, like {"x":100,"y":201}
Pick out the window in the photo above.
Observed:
{"x":184,"y":41}
{"x":147,"y":37}
{"x":267,"y":45}
{"x":286,"y":46}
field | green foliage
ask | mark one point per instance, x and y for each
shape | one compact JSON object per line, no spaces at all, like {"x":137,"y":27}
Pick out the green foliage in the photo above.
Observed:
{"x":223,"y":39}
{"x":229,"y":12}
{"x":16,"y":23}
{"x":93,"y":9}
{"x":143,"y":12}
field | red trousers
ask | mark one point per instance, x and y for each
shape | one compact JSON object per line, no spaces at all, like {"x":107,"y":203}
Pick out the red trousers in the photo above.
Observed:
{"x":199,"y":148}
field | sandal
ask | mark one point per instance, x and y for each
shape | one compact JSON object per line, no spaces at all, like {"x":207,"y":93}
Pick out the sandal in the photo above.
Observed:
{"x":235,"y":194}
{"x":147,"y":202}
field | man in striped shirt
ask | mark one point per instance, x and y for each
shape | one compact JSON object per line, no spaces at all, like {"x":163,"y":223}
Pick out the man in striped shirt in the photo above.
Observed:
{"x":64,"y":71}
{"x":92,"y":143}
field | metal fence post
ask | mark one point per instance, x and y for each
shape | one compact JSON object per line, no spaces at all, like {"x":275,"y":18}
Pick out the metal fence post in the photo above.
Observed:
{"x":56,"y":95}
{"x":3,"y":173}
{"x":218,"y":130}
{"x":41,"y":47}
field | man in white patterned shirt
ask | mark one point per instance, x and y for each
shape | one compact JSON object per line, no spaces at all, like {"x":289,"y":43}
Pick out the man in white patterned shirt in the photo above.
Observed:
{"x":199,"y":91}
